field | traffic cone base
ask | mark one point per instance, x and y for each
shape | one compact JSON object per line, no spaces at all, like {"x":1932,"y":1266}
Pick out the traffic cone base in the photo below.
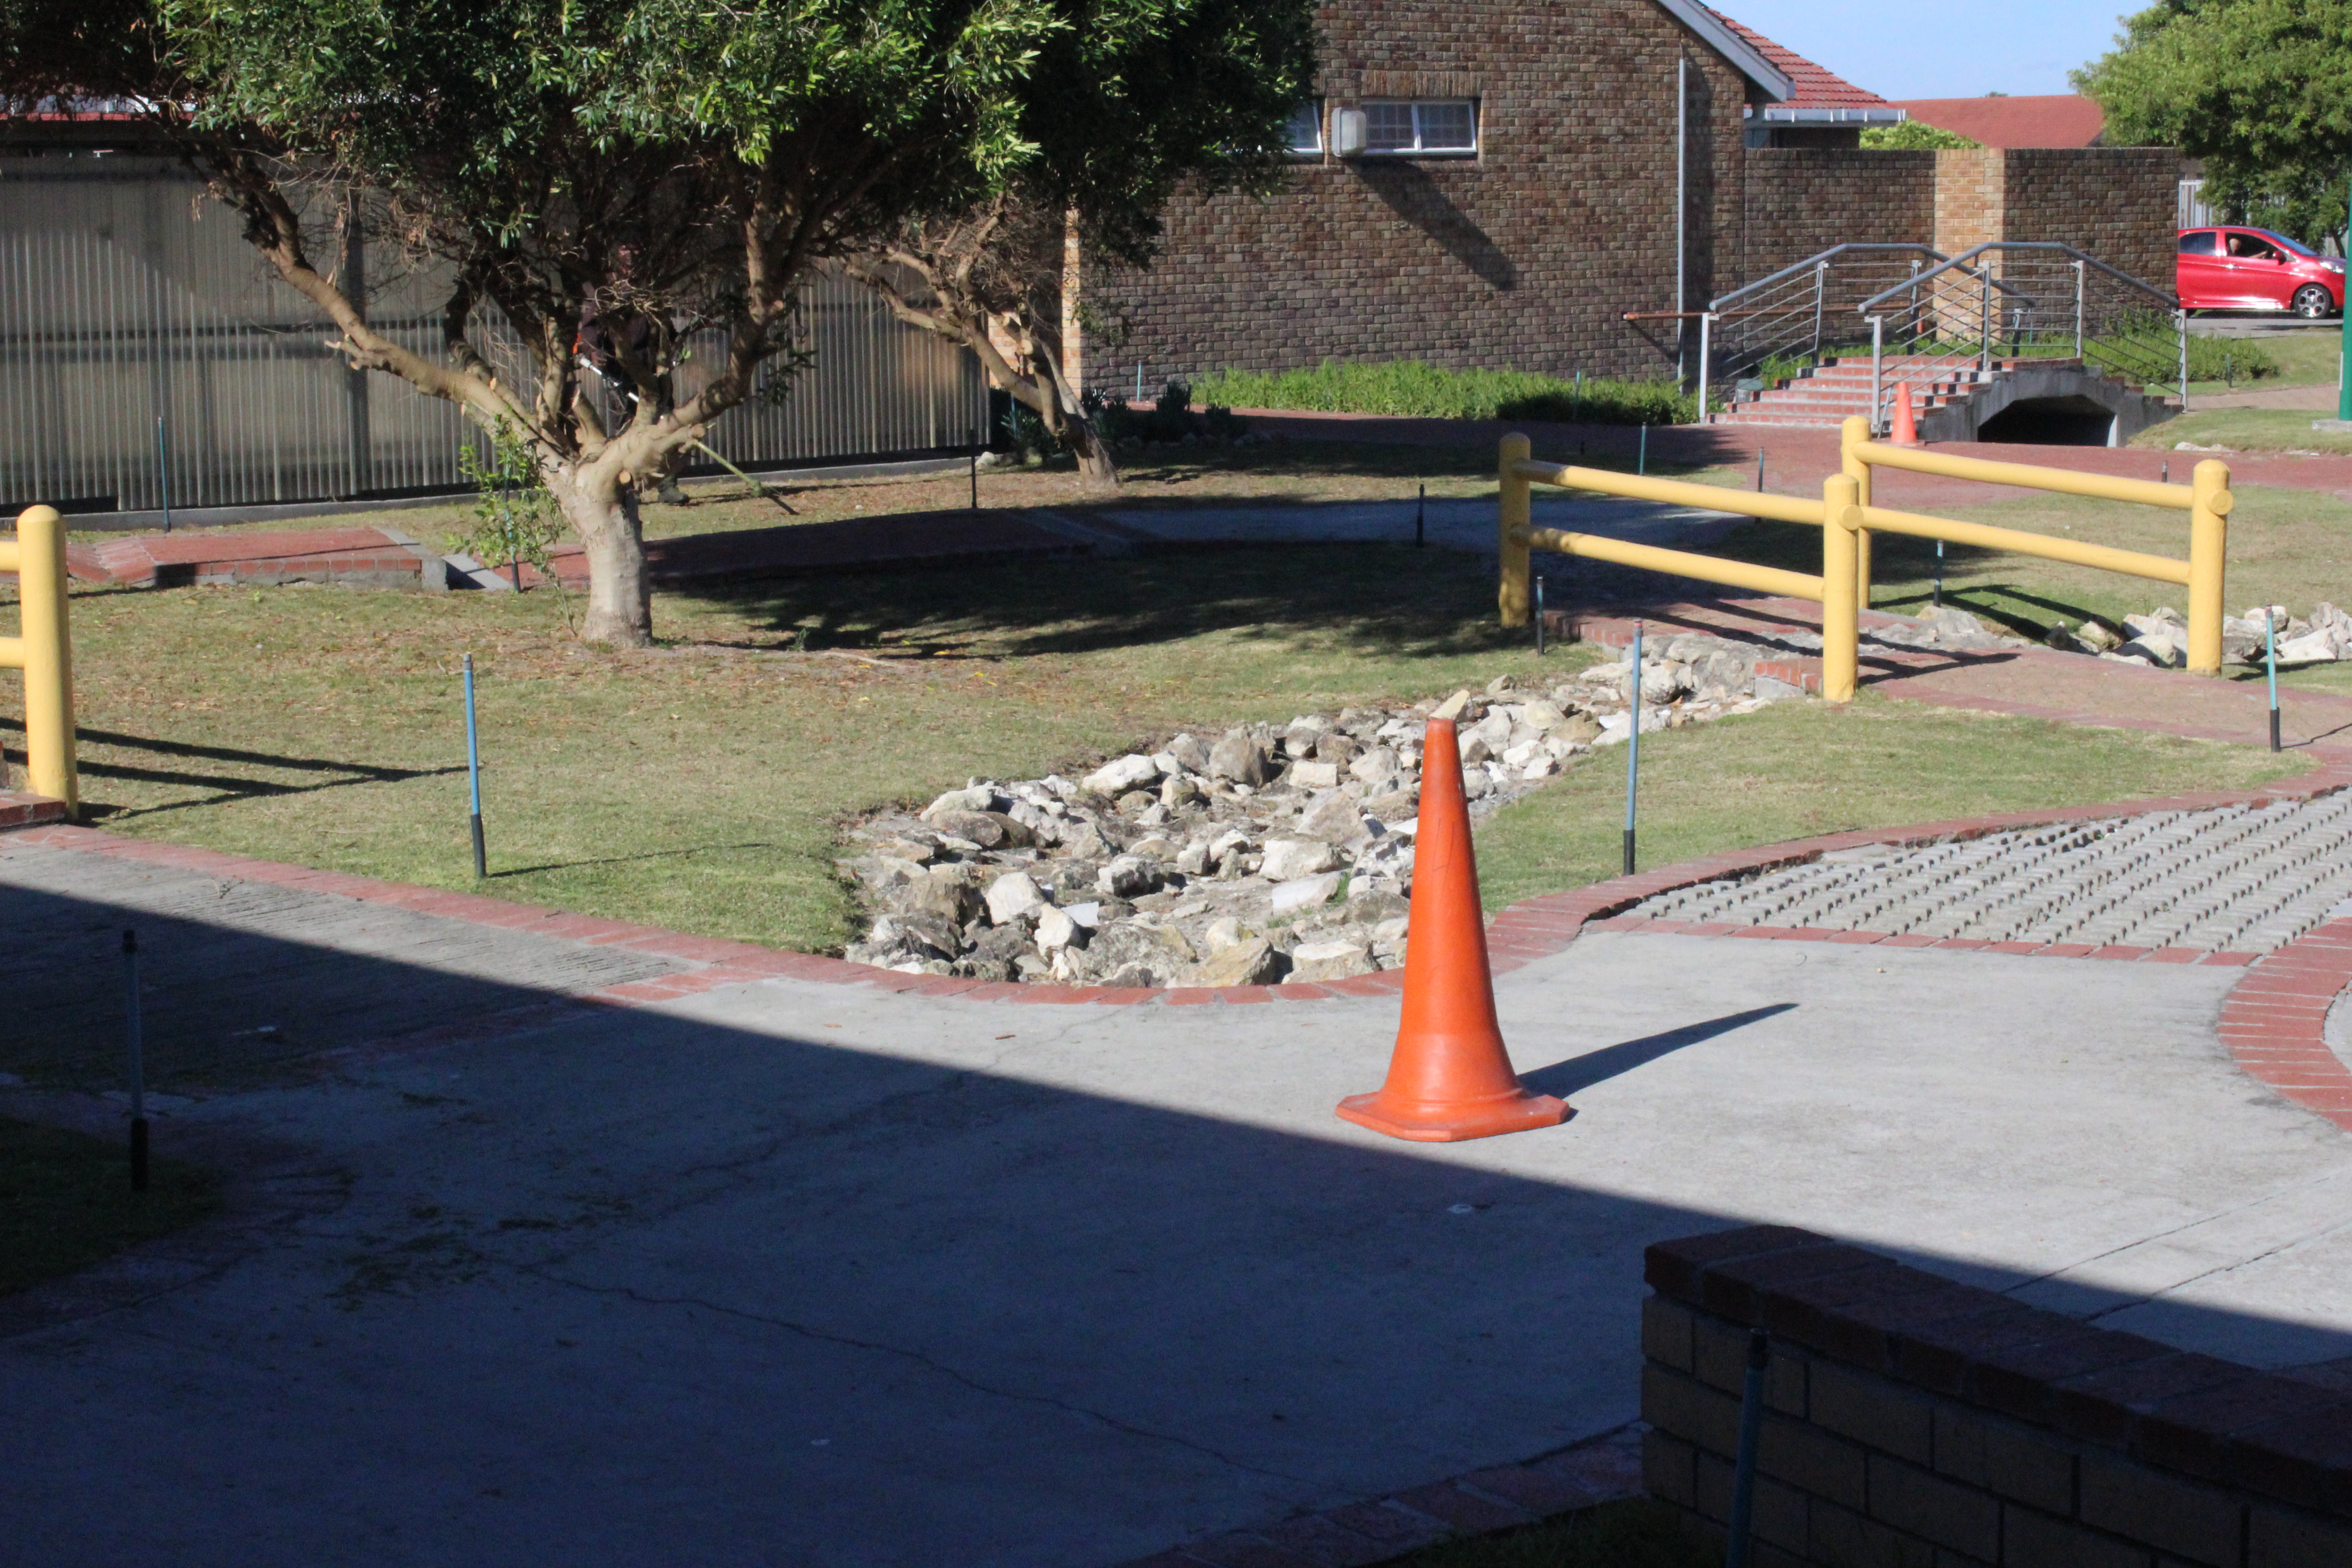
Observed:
{"x":1450,"y":1077}
{"x":1454,"y":1122}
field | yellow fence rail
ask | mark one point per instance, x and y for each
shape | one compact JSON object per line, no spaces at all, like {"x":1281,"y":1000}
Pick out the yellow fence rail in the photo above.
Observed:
{"x":1838,"y":514}
{"x":2206,"y":498}
{"x":43,"y":649}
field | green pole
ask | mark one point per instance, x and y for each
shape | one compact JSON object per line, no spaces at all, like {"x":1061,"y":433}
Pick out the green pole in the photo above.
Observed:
{"x":2344,"y":367}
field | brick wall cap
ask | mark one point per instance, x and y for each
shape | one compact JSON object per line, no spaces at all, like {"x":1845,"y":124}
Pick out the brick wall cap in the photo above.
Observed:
{"x":1672,"y":1267}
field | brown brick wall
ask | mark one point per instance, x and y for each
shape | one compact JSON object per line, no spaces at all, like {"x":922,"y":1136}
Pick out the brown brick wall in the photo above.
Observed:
{"x":1528,"y":257}
{"x":1911,"y":1419}
{"x":2120,"y":204}
{"x":1525,"y":258}
{"x":1801,"y":201}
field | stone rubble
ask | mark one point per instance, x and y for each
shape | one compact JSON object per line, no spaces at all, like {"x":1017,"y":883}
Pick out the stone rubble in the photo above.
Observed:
{"x":2161,"y":638}
{"x":1271,"y":852}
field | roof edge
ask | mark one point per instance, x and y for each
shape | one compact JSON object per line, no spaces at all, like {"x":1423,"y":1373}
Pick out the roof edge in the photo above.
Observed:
{"x":1732,"y":47}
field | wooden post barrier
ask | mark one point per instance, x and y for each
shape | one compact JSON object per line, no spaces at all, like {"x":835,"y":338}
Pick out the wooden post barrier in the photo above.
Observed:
{"x":2206,"y":499}
{"x":43,"y":649}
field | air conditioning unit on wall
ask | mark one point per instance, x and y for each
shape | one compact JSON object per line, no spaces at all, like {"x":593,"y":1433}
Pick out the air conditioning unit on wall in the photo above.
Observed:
{"x":1348,"y":133}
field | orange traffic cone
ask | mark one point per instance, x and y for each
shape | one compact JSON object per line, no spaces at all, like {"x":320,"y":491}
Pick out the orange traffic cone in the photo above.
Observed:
{"x":1450,"y":1078}
{"x":1905,"y":433}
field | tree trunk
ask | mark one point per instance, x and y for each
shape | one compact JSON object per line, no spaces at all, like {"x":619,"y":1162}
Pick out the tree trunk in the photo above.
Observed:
{"x":603,"y":513}
{"x":1097,"y":474}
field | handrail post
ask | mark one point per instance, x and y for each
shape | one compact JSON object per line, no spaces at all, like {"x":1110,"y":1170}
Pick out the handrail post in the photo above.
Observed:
{"x":1515,"y":515}
{"x":1877,"y":372}
{"x":1820,"y":288}
{"x":2209,"y":542}
{"x":2180,"y":331}
{"x":1841,"y":520}
{"x":48,"y":658}
{"x":1705,"y":322}
{"x":1984,"y":325}
{"x":2080,"y":272}
{"x":1854,"y":434}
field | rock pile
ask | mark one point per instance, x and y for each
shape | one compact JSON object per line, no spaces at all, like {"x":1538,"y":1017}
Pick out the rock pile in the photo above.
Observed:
{"x":2161,"y":636}
{"x":1271,"y":852}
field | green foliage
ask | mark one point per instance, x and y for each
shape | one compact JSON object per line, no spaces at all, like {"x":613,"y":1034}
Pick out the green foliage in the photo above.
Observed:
{"x":2255,"y":88}
{"x":516,"y":518}
{"x":1168,"y":419}
{"x":2229,"y":359}
{"x":1411,"y":388}
{"x":1914,"y":136}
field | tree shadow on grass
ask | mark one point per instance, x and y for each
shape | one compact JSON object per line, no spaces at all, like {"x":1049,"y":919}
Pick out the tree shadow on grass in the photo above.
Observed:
{"x":226,"y":787}
{"x":1391,"y":599}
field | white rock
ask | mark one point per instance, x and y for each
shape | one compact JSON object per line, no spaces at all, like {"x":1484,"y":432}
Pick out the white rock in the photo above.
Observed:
{"x":2312,"y":648}
{"x":1167,"y":762}
{"x":1391,"y":930}
{"x":1543,"y":716}
{"x":1607,"y":674}
{"x":1526,"y":752}
{"x":1474,"y":750}
{"x":1453,"y":706}
{"x":1088,"y":914}
{"x":1232,"y":841}
{"x":1305,"y":893}
{"x":1329,"y":961}
{"x":960,"y":800}
{"x":1315,"y":776}
{"x":1375,"y":764}
{"x":1223,"y":933}
{"x":1288,"y":859}
{"x":1055,"y":928}
{"x":1012,"y":896}
{"x":1540,"y":767}
{"x":1192,"y":861}
{"x":1116,"y":778}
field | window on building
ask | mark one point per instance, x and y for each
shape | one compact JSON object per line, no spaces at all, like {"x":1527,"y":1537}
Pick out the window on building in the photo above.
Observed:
{"x":1303,"y":135}
{"x":1435,"y":127}
{"x":2197,"y":244}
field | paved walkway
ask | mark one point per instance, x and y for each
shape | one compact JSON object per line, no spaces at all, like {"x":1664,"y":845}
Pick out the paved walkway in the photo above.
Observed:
{"x":853,"y":1274}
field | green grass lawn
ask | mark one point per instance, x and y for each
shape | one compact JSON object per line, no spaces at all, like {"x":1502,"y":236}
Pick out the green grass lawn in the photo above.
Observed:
{"x":2247,"y":430}
{"x":702,"y":784}
{"x":66,"y":1201}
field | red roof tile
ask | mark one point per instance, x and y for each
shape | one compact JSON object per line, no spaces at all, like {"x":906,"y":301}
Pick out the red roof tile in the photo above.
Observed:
{"x":2058,"y":119}
{"x":1817,"y":87}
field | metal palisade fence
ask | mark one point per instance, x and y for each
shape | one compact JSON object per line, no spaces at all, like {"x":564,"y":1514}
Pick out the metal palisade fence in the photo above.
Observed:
{"x":135,"y":321}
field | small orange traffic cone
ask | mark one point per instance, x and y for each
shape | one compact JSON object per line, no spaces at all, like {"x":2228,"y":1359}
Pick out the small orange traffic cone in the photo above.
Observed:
{"x":1450,"y":1078}
{"x":1905,"y":433}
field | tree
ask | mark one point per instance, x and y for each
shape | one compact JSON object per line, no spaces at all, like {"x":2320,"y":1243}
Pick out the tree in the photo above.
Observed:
{"x":1914,"y":136}
{"x":2261,"y":90}
{"x":1129,"y":100}
{"x":610,"y":176}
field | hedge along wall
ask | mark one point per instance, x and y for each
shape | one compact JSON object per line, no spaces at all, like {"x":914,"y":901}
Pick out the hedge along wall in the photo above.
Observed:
{"x":1914,"y":1420}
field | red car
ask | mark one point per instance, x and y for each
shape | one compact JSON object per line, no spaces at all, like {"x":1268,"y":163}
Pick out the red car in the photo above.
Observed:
{"x":2229,"y":267}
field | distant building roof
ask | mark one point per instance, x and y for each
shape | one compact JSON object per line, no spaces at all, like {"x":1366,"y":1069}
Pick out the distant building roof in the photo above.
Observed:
{"x":1819,"y":95}
{"x":2056,"y":120}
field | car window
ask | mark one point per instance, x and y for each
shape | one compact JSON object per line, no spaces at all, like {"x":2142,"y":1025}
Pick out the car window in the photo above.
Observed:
{"x":2198,"y":244}
{"x":2296,"y":246}
{"x":2254,"y":247}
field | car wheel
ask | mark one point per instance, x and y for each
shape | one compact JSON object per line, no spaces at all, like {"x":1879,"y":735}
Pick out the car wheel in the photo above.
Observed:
{"x":2312,"y":301}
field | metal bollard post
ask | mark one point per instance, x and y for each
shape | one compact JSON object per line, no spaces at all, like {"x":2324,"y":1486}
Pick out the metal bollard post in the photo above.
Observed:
{"x":2270,"y":658}
{"x":1420,"y":519}
{"x":1938,"y":600}
{"x":135,"y":1047}
{"x":1759,"y":470}
{"x":474,"y":772}
{"x":1539,"y":613}
{"x":164,"y":468}
{"x":1632,"y":746}
{"x":1751,"y":1430}
{"x":1641,"y":463}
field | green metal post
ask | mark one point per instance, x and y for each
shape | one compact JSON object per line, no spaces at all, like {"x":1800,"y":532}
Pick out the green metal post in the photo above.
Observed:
{"x":2344,"y":368}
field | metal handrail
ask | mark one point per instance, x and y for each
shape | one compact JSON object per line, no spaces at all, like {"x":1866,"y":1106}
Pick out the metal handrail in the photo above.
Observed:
{"x":2169,"y":301}
{"x":1813,"y":261}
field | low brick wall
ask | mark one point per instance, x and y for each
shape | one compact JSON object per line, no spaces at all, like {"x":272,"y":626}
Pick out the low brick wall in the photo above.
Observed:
{"x":1913,"y":1420}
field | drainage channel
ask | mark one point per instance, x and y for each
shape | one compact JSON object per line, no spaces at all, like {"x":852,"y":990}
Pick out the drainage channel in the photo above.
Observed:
{"x":2237,"y":879}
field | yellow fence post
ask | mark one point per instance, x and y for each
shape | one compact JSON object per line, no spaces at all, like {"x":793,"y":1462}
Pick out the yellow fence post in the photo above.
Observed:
{"x":1841,"y":616}
{"x":2208,"y":542}
{"x":1516,"y":515}
{"x":1855,"y":433}
{"x":48,"y":657}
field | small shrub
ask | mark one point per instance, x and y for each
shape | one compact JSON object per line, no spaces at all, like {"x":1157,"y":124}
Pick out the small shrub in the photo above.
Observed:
{"x":515,"y":519}
{"x":2229,"y":359}
{"x":1413,"y":389}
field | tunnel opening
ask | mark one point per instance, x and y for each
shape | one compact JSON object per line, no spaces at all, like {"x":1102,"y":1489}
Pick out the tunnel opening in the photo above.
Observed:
{"x":2072,"y":421}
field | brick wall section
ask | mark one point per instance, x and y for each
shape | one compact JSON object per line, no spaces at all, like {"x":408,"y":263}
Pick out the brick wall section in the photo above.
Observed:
{"x":1527,"y":257}
{"x":2118,"y":202}
{"x":1910,"y":1419}
{"x":1799,"y":202}
{"x":1968,"y":209}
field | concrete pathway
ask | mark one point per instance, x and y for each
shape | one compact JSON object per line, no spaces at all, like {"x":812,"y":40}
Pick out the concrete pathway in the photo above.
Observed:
{"x":819,"y":1274}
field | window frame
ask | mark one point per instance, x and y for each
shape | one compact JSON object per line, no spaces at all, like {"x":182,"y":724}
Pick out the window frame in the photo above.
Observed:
{"x":2212,"y":238}
{"x":1416,"y":105}
{"x":1322,"y":147}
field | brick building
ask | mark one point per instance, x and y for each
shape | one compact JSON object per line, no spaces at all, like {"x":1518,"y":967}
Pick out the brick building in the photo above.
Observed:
{"x":1492,"y":183}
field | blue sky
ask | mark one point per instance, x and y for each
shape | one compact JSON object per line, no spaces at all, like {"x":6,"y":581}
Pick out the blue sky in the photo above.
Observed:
{"x":1900,"y":49}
